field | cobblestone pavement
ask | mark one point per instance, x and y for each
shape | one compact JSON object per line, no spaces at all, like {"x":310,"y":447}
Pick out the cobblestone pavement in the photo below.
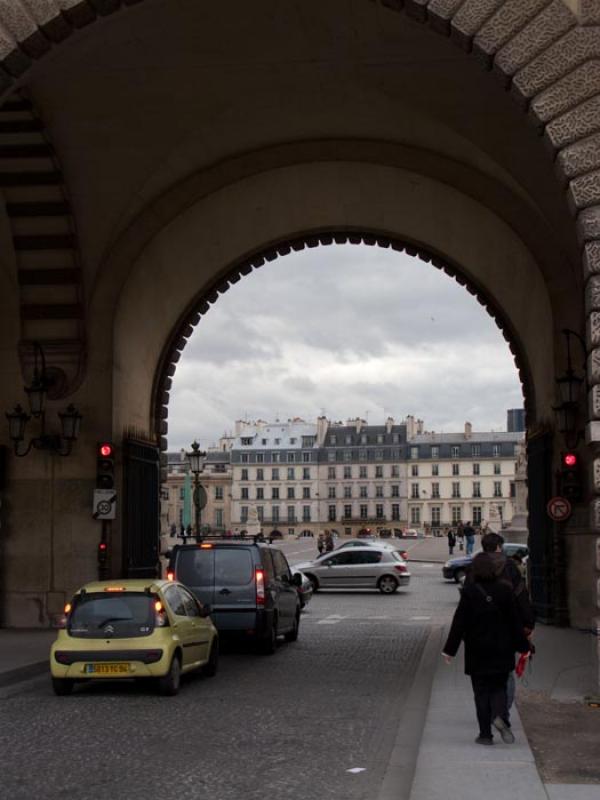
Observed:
{"x":289,"y":725}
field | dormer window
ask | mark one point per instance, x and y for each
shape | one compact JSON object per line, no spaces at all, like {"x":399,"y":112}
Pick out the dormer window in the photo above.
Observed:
{"x":246,"y":441}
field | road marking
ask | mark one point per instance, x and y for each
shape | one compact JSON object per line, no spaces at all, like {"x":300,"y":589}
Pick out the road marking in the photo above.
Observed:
{"x":355,"y":770}
{"x":421,"y":618}
{"x":332,"y":619}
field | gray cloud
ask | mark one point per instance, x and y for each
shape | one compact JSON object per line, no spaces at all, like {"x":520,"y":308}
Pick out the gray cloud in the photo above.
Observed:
{"x":346,"y":330}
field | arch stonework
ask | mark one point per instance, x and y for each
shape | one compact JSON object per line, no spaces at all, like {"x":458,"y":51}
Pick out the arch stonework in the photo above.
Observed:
{"x":546,"y":53}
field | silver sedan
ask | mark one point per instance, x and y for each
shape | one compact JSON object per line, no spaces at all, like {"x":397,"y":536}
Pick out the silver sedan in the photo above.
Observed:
{"x":358,"y":568}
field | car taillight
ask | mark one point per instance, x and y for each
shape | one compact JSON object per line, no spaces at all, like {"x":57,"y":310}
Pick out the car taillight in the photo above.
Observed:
{"x":62,"y":619}
{"x":160,"y":615}
{"x":260,"y":587}
{"x":400,"y":568}
{"x":170,"y":575}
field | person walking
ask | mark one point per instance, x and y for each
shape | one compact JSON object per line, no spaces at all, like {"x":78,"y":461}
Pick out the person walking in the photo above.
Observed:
{"x":451,"y":541}
{"x":460,"y":536}
{"x":469,"y":533}
{"x":320,"y":544}
{"x":506,"y":570}
{"x":487,"y":621}
{"x":328,"y":542}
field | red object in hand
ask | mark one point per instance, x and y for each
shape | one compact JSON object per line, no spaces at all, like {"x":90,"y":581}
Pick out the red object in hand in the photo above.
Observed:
{"x":521,"y":664}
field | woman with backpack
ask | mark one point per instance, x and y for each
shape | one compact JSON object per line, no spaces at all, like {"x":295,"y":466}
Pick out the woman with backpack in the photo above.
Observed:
{"x":488,"y":623}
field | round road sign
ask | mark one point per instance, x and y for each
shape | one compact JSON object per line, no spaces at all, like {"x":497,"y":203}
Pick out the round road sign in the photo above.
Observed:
{"x":559,"y":509}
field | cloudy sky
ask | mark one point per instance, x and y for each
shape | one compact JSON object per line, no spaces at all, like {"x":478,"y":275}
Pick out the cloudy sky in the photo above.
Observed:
{"x":343,"y":331}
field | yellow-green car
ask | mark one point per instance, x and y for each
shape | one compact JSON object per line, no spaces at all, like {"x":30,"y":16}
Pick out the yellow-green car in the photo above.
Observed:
{"x":140,"y":628}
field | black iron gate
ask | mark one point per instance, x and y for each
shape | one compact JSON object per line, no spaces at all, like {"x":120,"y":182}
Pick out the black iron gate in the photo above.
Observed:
{"x":541,"y":527}
{"x":141,"y":509}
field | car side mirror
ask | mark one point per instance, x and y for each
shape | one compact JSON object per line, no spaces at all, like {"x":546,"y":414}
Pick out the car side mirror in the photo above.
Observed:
{"x":297,"y":579}
{"x":206,"y":610}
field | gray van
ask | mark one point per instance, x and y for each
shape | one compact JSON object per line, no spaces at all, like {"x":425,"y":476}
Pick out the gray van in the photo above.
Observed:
{"x":249,"y":587}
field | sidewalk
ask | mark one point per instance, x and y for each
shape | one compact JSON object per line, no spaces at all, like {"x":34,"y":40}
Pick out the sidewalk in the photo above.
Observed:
{"x":23,"y":654}
{"x":450,"y":764}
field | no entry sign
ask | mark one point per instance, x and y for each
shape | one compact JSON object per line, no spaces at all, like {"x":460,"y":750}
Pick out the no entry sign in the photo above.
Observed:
{"x":559,"y":509}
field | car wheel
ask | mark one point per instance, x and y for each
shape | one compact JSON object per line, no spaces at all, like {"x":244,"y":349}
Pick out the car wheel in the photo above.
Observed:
{"x":268,"y":645}
{"x":62,"y":686}
{"x":460,"y":575}
{"x":387,"y":584}
{"x":314,"y":582}
{"x":169,"y":683}
{"x":209,"y":670}
{"x":292,"y":636}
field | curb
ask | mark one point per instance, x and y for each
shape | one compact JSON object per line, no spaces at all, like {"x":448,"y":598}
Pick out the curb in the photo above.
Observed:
{"x":400,"y":772}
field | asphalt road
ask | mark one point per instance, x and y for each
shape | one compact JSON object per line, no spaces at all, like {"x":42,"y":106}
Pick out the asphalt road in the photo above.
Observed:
{"x":290,"y":725}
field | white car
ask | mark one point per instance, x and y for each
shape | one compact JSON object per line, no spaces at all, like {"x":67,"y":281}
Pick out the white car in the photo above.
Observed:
{"x":367,"y":567}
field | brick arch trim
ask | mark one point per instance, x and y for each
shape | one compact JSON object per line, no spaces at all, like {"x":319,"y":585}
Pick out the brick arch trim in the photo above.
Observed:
{"x":201,"y":305}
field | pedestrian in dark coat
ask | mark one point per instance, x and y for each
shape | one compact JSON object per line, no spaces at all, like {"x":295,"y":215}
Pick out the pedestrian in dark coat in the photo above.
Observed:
{"x":488,"y":623}
{"x":451,"y":541}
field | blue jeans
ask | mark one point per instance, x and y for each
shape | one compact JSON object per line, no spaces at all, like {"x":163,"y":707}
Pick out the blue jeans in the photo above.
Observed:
{"x":470,"y":544}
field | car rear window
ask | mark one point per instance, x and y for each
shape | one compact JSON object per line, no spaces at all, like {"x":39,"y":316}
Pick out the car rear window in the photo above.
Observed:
{"x":233,"y":567}
{"x":195,"y":567}
{"x":100,"y":615}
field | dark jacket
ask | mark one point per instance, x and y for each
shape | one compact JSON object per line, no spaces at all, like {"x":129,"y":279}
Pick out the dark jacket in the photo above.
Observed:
{"x":468,"y":531}
{"x":506,"y":570}
{"x":491,"y":629}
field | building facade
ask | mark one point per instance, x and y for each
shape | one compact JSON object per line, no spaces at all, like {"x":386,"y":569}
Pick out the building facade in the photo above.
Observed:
{"x":455,"y":478}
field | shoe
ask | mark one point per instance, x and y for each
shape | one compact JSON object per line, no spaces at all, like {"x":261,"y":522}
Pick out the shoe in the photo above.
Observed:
{"x":504,"y":730}
{"x":484,"y":740}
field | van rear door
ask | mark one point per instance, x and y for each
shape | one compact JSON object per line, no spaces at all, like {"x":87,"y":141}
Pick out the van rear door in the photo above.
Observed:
{"x":195,"y":568}
{"x":234,"y":605}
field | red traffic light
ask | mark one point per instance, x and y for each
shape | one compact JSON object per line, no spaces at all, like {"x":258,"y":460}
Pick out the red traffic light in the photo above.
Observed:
{"x":105,"y":449}
{"x":102,"y":547}
{"x":570,"y":460}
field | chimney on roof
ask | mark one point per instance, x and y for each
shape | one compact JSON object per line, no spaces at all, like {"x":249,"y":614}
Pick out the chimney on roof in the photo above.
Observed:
{"x":468,"y":430}
{"x":389,"y":424}
{"x":322,"y":425}
{"x":419,"y":426}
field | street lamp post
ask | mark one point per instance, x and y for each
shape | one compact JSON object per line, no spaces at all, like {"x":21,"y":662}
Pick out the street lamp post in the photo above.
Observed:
{"x":195,"y":458}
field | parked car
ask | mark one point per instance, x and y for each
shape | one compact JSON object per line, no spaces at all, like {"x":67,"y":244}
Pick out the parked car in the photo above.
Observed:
{"x":305,"y":589}
{"x":141,"y":628}
{"x":249,"y":586}
{"x":375,"y":543}
{"x":358,"y":568}
{"x":456,"y":568}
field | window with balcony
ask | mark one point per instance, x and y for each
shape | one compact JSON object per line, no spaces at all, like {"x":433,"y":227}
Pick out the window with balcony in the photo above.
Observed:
{"x":497,"y":469}
{"x":347,"y":472}
{"x":414,"y":470}
{"x":331,"y":455}
{"x":308,"y":441}
{"x":291,"y":457}
{"x":347,"y":511}
{"x":244,"y":458}
{"x":260,"y":493}
{"x":331,"y":473}
{"x":331,"y":492}
{"x":219,"y":517}
{"x":306,"y":457}
{"x":364,"y":511}
{"x":476,"y":514}
{"x":347,"y":491}
{"x":476,"y":469}
{"x":275,"y":493}
{"x":379,"y":510}
{"x":456,"y":512}
{"x":260,"y":458}
{"x":379,"y":471}
{"x":260,"y":513}
{"x":306,"y":492}
{"x":435,"y":490}
{"x":395,"y":511}
{"x":456,"y":489}
{"x":415,"y":515}
{"x":246,"y":441}
{"x":495,"y":450}
{"x":379,"y":491}
{"x":435,"y":469}
{"x":244,"y":514}
{"x":362,"y":491}
{"x":331,"y":513}
{"x":435,"y":451}
{"x":291,"y":494}
{"x":395,"y":490}
{"x":275,"y":458}
{"x":290,"y":474}
{"x":291,"y":516}
{"x":244,"y":474}
{"x":414,"y":491}
{"x":245,"y":495}
{"x":414,"y":452}
{"x":260,"y":474}
{"x":436,"y":515}
{"x":395,"y":471}
{"x":305,"y":473}
{"x":475,"y":451}
{"x":275,"y":513}
{"x":362,"y":472}
{"x":456,"y":469}
{"x":455,"y":451}
{"x":275,"y":474}
{"x":476,"y":489}
{"x":305,"y":513}
{"x":497,"y":488}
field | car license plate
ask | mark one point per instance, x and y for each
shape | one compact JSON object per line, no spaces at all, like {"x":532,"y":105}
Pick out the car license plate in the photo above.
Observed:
{"x":107,"y":669}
